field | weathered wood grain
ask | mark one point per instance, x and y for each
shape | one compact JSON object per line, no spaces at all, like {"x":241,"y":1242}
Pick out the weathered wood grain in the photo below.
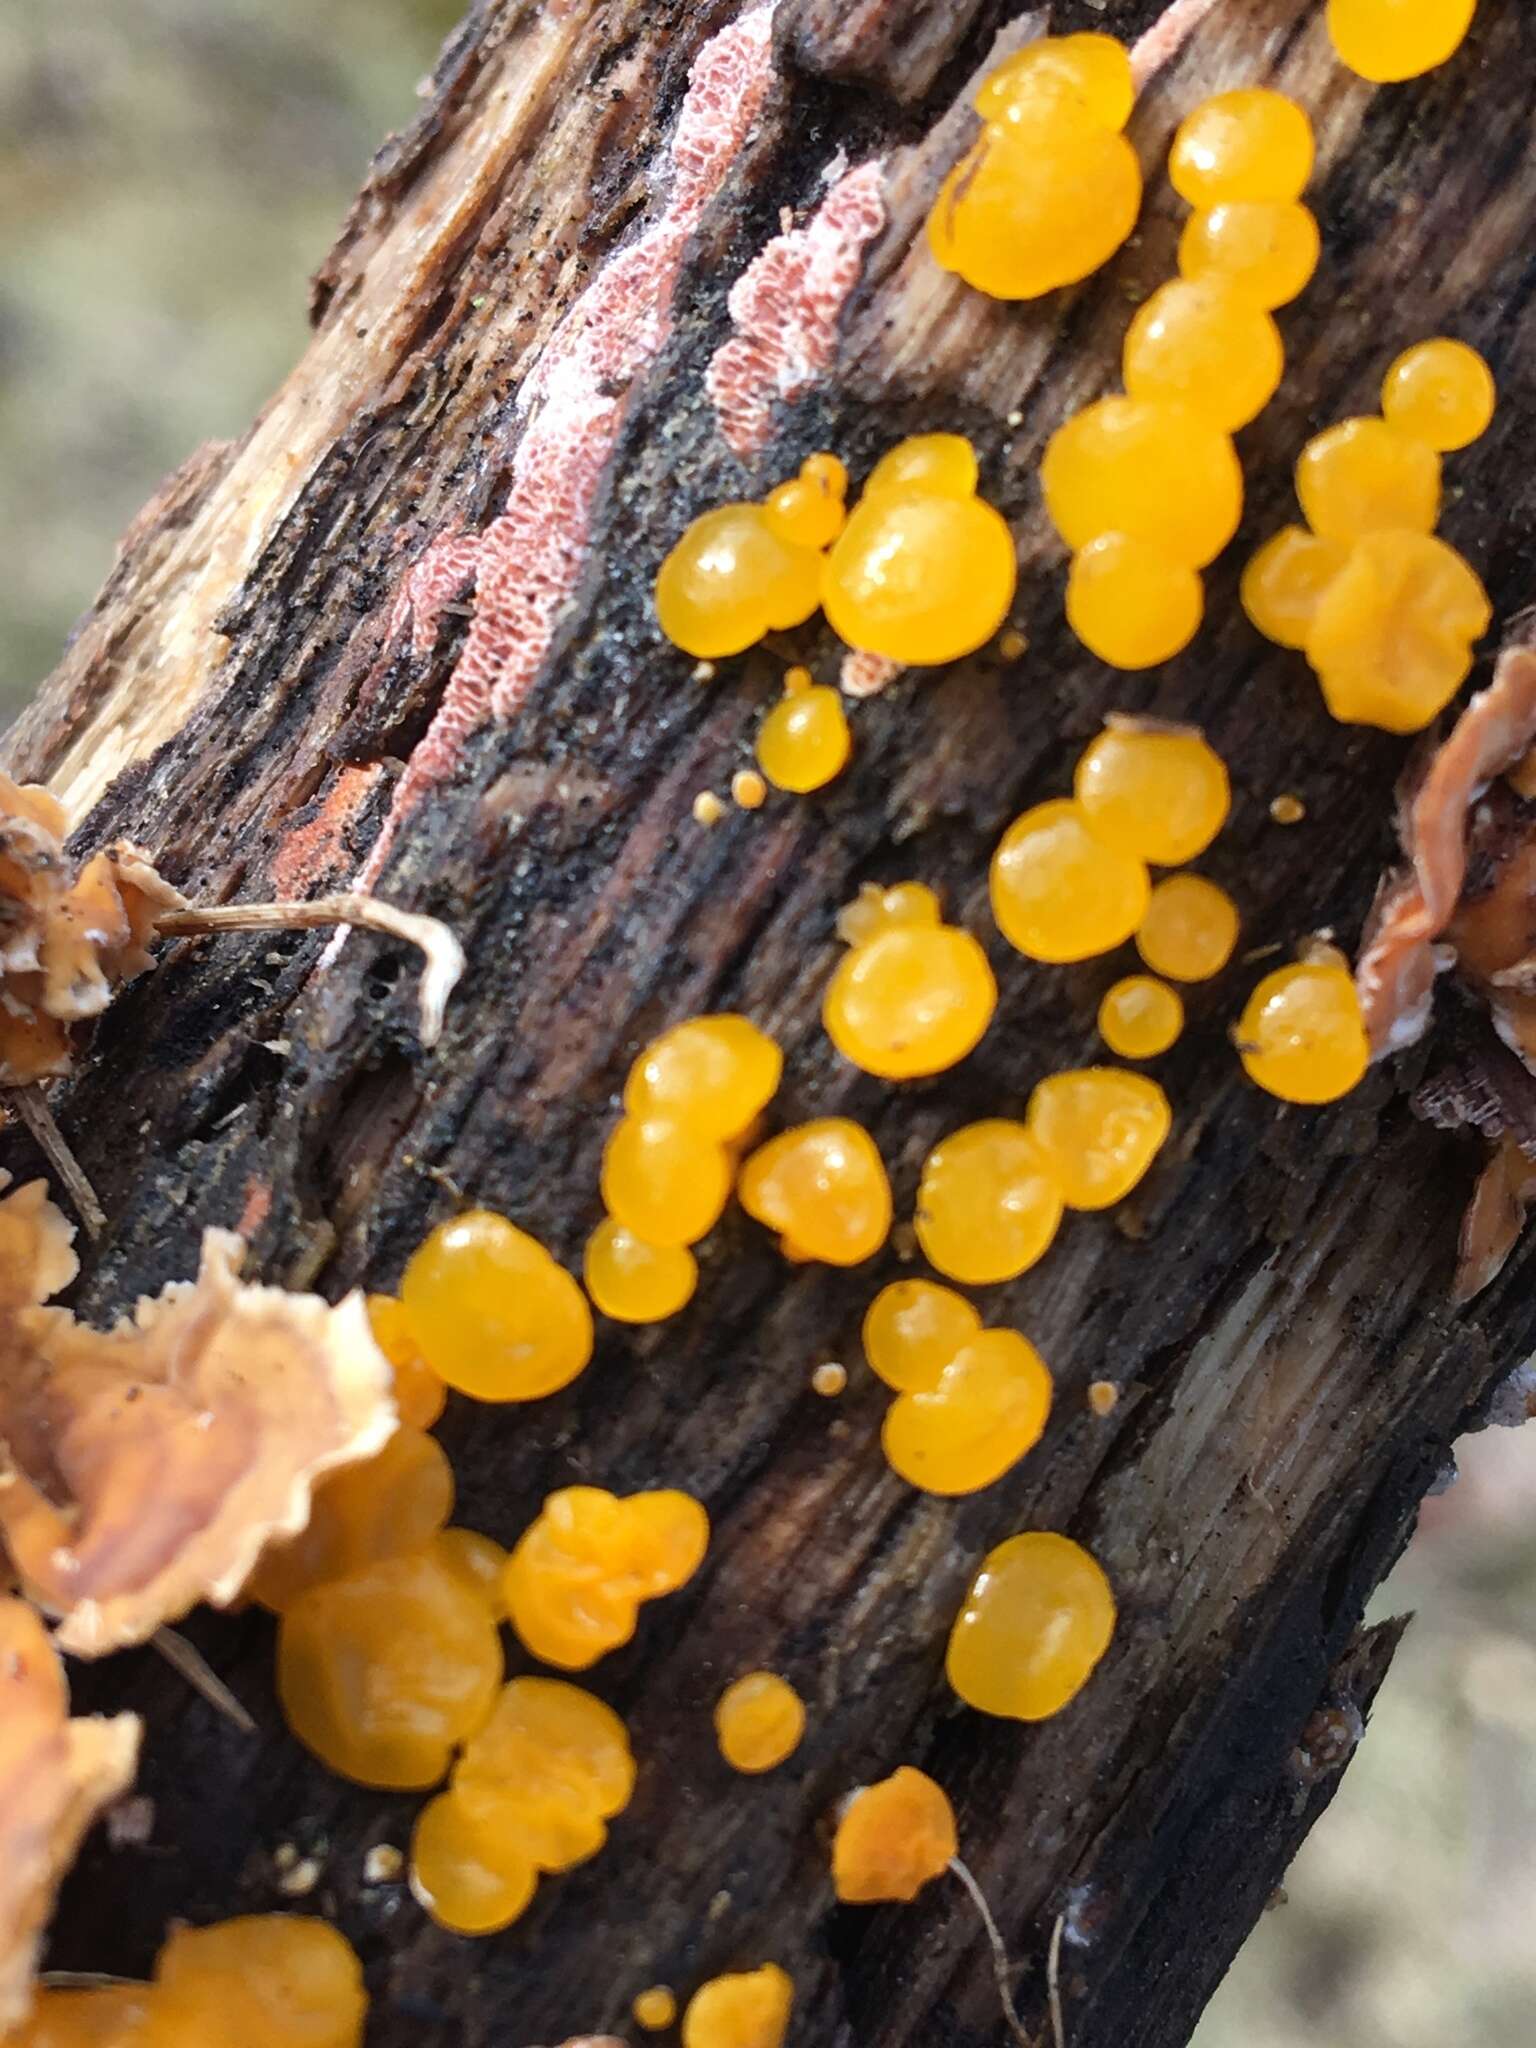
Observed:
{"x":1275,"y":1300}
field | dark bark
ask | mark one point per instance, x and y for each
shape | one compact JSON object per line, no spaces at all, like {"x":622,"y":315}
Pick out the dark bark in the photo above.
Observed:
{"x":1274,"y":1301}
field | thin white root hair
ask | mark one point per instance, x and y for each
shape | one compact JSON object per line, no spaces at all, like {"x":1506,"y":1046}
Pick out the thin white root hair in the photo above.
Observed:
{"x":1000,"y":1962}
{"x":191,"y":1665}
{"x":31,"y":1105}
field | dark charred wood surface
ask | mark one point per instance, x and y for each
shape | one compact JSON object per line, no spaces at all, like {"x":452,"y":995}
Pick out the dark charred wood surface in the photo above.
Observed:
{"x":1274,"y":1301}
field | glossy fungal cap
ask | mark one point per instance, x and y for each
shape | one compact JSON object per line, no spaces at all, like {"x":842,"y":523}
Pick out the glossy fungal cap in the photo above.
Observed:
{"x":655,"y":2008}
{"x":1284,"y":583}
{"x":580,"y":1571}
{"x":749,"y":2009}
{"x":1199,"y":343}
{"x":1266,"y":250}
{"x":988,"y":1204}
{"x":1088,"y":75}
{"x":1059,"y":893}
{"x":912,"y":1329}
{"x":1160,"y":793}
{"x":823,"y":1187}
{"x":477,"y":1562}
{"x":1301,"y":1036}
{"x":875,"y":911}
{"x":471,"y":1880}
{"x":1140,"y":1017}
{"x":913,"y":1000}
{"x":759,"y":1720}
{"x":927,"y":465}
{"x":636,"y":1282}
{"x":1442,"y":393}
{"x":1362,"y":477}
{"x":808,"y":511}
{"x":387,"y":1506}
{"x":1248,"y":144}
{"x":1099,"y":1128}
{"x":989,"y":1407}
{"x":492,"y":1313}
{"x":549,"y":1768}
{"x":268,"y":1980}
{"x":1107,"y":470}
{"x":1041,"y":201}
{"x":1391,"y":640}
{"x":1190,"y":929}
{"x":730,"y":580}
{"x":664,"y":1180}
{"x":920,"y":579}
{"x":115,"y":2016}
{"x":1387,"y":41}
{"x":383,"y":1672}
{"x":1130,"y":603}
{"x":1038,"y":1617}
{"x":420,"y":1395}
{"x":804,"y":742}
{"x":714,"y":1073}
{"x":892,"y":1839}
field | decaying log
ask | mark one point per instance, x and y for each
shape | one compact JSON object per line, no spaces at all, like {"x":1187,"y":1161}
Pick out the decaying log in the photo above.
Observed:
{"x":289,"y":653}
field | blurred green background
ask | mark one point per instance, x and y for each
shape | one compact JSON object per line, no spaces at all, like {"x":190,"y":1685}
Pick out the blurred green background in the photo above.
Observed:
{"x":170,"y":173}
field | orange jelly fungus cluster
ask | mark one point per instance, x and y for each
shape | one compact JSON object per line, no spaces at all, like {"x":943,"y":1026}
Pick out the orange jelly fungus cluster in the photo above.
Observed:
{"x":913,"y":995}
{"x":578,"y":1575}
{"x":267,"y":1981}
{"x":531,"y":1794}
{"x":893,"y":1838}
{"x":969,"y":1402}
{"x":747,"y":2009}
{"x":759,"y":1720}
{"x":1385,"y":611}
{"x":1038,"y":1617}
{"x":1051,"y":188}
{"x":1202,"y":358}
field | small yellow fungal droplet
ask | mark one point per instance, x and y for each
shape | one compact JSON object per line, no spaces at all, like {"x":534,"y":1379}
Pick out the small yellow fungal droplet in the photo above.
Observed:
{"x":1190,"y":929}
{"x":1199,"y":343}
{"x":730,"y":579}
{"x":823,"y":1187}
{"x":759,"y":1720}
{"x":911,"y":1000}
{"x":1131,"y":604}
{"x":1363,"y":477}
{"x":1286,"y":581}
{"x":1391,"y":640}
{"x":912,"y":1329}
{"x":492,"y":1313}
{"x":804,"y":742}
{"x":1099,"y":1128}
{"x":1038,"y":1617}
{"x":707,"y":808}
{"x":989,"y":1204}
{"x":977,"y":1418}
{"x":919,"y":576}
{"x":665,"y":1180}
{"x":748,"y":789}
{"x":1011,"y":644}
{"x":636,"y":1282}
{"x":829,"y":1380}
{"x":655,"y":2009}
{"x":1387,"y":41}
{"x":1161,"y":795}
{"x":1266,"y":249}
{"x":1059,"y":893}
{"x":580,"y":1571}
{"x":1302,"y":1037}
{"x":1140,"y":1017}
{"x":715,"y":1073}
{"x":934,"y":465}
{"x":875,"y":911}
{"x":1287,"y":809}
{"x":747,"y":2009}
{"x":1106,"y":471}
{"x":892,"y":1839}
{"x":1441,"y":392}
{"x":1103,"y":1396}
{"x":1247,"y":144}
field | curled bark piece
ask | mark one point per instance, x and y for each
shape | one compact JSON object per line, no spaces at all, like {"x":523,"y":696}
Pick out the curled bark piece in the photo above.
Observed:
{"x":1495,"y":1218}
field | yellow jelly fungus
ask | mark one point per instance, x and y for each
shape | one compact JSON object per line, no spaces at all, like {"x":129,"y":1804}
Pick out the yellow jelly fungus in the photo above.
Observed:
{"x":477,"y":1562}
{"x":550,"y":1766}
{"x":759,"y":1720}
{"x":827,"y":471}
{"x":1284,"y":583}
{"x":420,"y":1395}
{"x":1190,"y":929}
{"x":389,"y":1505}
{"x":1391,"y":640}
{"x":471,"y":1880}
{"x":1363,"y":477}
{"x":808,"y":512}
{"x":1390,"y":40}
{"x":1442,"y":393}
{"x":749,"y":2009}
{"x":716,"y":1074}
{"x":111,"y":2016}
{"x":383,"y":1672}
{"x":988,"y":1204}
{"x":1199,"y":343}
{"x":1044,"y":198}
{"x":1247,"y":144}
{"x":1159,"y":793}
{"x":731,"y":579}
{"x":655,"y":2009}
{"x":707,"y":808}
{"x":920,"y":578}
{"x":1131,"y":604}
{"x":1103,"y":1397}
{"x":804,"y":742}
{"x":1107,"y":470}
{"x":912,"y":1329}
{"x":1090,"y":73}
{"x":985,"y":1410}
{"x":636,"y":1282}
{"x":875,"y":911}
{"x":579,"y":1573}
{"x":1287,"y":808}
{"x":664,"y":1180}
{"x":1266,"y":250}
{"x":893,"y":1838}
{"x":1301,"y":1035}
{"x":912,"y":1000}
{"x":265,"y":1980}
{"x":749,"y":792}
{"x":822,"y":1186}
{"x":1140,"y":1017}
{"x":927,"y":465}
{"x":1038,"y":1617}
{"x":492,"y":1312}
{"x":829,"y":1380}
{"x":1059,"y":892}
{"x":1099,"y":1128}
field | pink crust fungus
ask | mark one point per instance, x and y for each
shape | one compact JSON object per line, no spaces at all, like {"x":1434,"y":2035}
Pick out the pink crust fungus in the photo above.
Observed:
{"x":866,"y":675}
{"x":785,"y":307}
{"x":1167,"y":36}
